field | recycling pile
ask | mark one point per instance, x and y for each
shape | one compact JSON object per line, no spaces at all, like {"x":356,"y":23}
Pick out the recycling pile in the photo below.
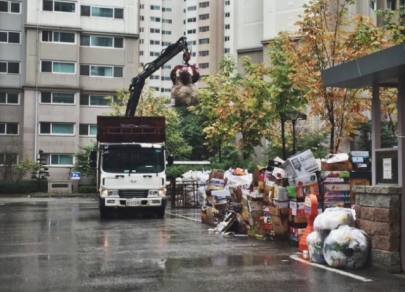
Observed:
{"x":271,"y":204}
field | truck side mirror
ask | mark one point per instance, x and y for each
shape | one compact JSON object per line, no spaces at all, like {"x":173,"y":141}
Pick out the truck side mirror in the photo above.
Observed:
{"x":93,"y":158}
{"x":170,"y":160}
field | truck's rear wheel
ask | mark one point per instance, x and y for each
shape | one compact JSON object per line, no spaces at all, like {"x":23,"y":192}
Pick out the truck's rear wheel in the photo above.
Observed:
{"x":160,"y":213}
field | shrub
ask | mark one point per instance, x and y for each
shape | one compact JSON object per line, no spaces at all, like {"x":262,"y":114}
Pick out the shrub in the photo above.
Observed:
{"x":87,"y":189}
{"x":23,"y":187}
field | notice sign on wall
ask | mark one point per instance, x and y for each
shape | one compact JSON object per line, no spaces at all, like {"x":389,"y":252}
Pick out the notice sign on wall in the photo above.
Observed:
{"x":387,"y":168}
{"x":75,"y":175}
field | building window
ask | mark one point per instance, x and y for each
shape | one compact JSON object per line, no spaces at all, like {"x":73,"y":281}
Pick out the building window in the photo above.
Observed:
{"x":8,"y":158}
{"x":166,"y":44}
{"x":191,"y":8}
{"x":227,"y":38}
{"x":87,"y":130}
{"x":155,"y":88}
{"x":166,"y":9}
{"x":155,"y":19}
{"x":154,"y":42}
{"x":9,"y":37}
{"x":58,"y":67}
{"x":373,"y":4}
{"x":140,"y":53}
{"x":166,"y":20}
{"x":101,"y":71}
{"x":227,"y":26}
{"x":227,"y":50}
{"x":58,"y":37}
{"x":391,"y":4}
{"x":204,"y":4}
{"x":61,"y":159}
{"x":141,"y":6}
{"x":9,"y":67}
{"x":10,"y":7}
{"x":154,"y":77}
{"x":167,"y":66}
{"x":95,"y":100}
{"x":191,"y":43}
{"x":228,"y":14}
{"x":193,"y":54}
{"x":142,"y":18}
{"x":100,"y":41}
{"x":154,"y":54}
{"x":203,"y":53}
{"x":141,"y":41}
{"x":191,"y":19}
{"x":101,"y":12}
{"x":154,"y":7}
{"x":57,"y":97}
{"x":191,"y":31}
{"x":142,"y":29}
{"x":203,"y":65}
{"x":9,"y":98}
{"x":203,"y":16}
{"x":167,"y":32}
{"x":203,"y":41}
{"x":8,"y":128}
{"x":155,"y":30}
{"x":56,"y":128}
{"x":166,"y":78}
{"x":203,"y":28}
{"x":59,"y":6}
{"x":228,"y":2}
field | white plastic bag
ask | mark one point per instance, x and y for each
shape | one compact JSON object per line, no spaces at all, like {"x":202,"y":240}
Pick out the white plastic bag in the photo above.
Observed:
{"x":315,"y":242}
{"x":332,"y":218}
{"x":346,"y":247}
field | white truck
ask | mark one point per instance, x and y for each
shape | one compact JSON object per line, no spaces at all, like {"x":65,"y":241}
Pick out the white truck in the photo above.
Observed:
{"x":131,"y":163}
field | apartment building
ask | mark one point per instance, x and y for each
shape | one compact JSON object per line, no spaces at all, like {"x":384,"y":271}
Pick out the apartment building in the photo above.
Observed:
{"x":58,"y":60}
{"x":163,"y":22}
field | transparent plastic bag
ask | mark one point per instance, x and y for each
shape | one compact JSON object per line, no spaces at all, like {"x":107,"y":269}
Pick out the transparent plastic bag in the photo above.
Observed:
{"x":332,"y":218}
{"x":346,"y":247}
{"x":315,"y":242}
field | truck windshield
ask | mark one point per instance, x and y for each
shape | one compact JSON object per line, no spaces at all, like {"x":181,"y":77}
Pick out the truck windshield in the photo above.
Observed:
{"x":133,"y":160}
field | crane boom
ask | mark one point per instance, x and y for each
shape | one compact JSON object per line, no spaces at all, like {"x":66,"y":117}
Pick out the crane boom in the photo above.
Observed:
{"x":138,"y":82}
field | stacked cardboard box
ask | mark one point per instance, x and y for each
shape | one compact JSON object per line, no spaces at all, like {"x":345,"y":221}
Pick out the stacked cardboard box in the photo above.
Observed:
{"x":336,"y":189}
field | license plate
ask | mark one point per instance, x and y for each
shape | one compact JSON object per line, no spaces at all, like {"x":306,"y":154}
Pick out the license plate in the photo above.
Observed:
{"x":133,"y":203}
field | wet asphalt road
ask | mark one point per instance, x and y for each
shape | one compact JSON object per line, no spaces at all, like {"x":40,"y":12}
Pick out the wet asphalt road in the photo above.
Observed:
{"x":62,"y":245}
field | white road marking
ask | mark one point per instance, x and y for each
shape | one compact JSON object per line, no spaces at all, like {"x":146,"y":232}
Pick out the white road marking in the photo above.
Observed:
{"x":295,"y":257}
{"x":181,"y":216}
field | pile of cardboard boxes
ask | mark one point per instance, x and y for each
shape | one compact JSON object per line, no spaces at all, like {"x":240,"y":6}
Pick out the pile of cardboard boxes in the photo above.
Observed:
{"x":274,"y":203}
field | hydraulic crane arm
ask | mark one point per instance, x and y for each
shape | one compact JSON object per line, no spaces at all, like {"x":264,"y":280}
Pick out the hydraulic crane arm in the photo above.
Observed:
{"x":138,"y":82}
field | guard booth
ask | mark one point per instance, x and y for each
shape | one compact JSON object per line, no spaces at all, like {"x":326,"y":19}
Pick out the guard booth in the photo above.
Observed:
{"x":381,"y":206}
{"x":185,"y":193}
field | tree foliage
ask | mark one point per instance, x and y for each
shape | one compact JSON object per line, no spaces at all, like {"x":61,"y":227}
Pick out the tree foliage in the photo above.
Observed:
{"x":329,"y":36}
{"x":83,"y":162}
{"x":236,"y":104}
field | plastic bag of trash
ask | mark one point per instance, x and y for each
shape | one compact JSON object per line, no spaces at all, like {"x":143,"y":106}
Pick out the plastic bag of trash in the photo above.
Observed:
{"x":332,"y":218}
{"x":346,"y":247}
{"x":315,"y":242}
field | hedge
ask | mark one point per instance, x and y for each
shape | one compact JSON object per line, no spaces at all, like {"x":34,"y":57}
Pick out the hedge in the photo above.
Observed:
{"x":23,"y":187}
{"x":87,"y":189}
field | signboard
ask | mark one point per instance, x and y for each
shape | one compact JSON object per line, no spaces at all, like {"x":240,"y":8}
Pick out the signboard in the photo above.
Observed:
{"x":75,"y":175}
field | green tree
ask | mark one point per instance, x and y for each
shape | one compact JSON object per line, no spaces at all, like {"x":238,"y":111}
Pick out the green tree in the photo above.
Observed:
{"x":83,"y":162}
{"x":236,"y":104}
{"x":388,"y":139}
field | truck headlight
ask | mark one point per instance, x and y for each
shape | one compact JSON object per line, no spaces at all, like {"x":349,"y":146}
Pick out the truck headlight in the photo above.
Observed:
{"x":157,"y":193}
{"x":109,"y":193}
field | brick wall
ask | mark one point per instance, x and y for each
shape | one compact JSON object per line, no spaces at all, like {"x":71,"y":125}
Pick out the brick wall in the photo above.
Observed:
{"x":378,"y":214}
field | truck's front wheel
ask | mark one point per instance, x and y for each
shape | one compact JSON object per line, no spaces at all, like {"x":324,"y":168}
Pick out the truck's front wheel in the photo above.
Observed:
{"x":160,"y":213}
{"x":103,"y":209}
